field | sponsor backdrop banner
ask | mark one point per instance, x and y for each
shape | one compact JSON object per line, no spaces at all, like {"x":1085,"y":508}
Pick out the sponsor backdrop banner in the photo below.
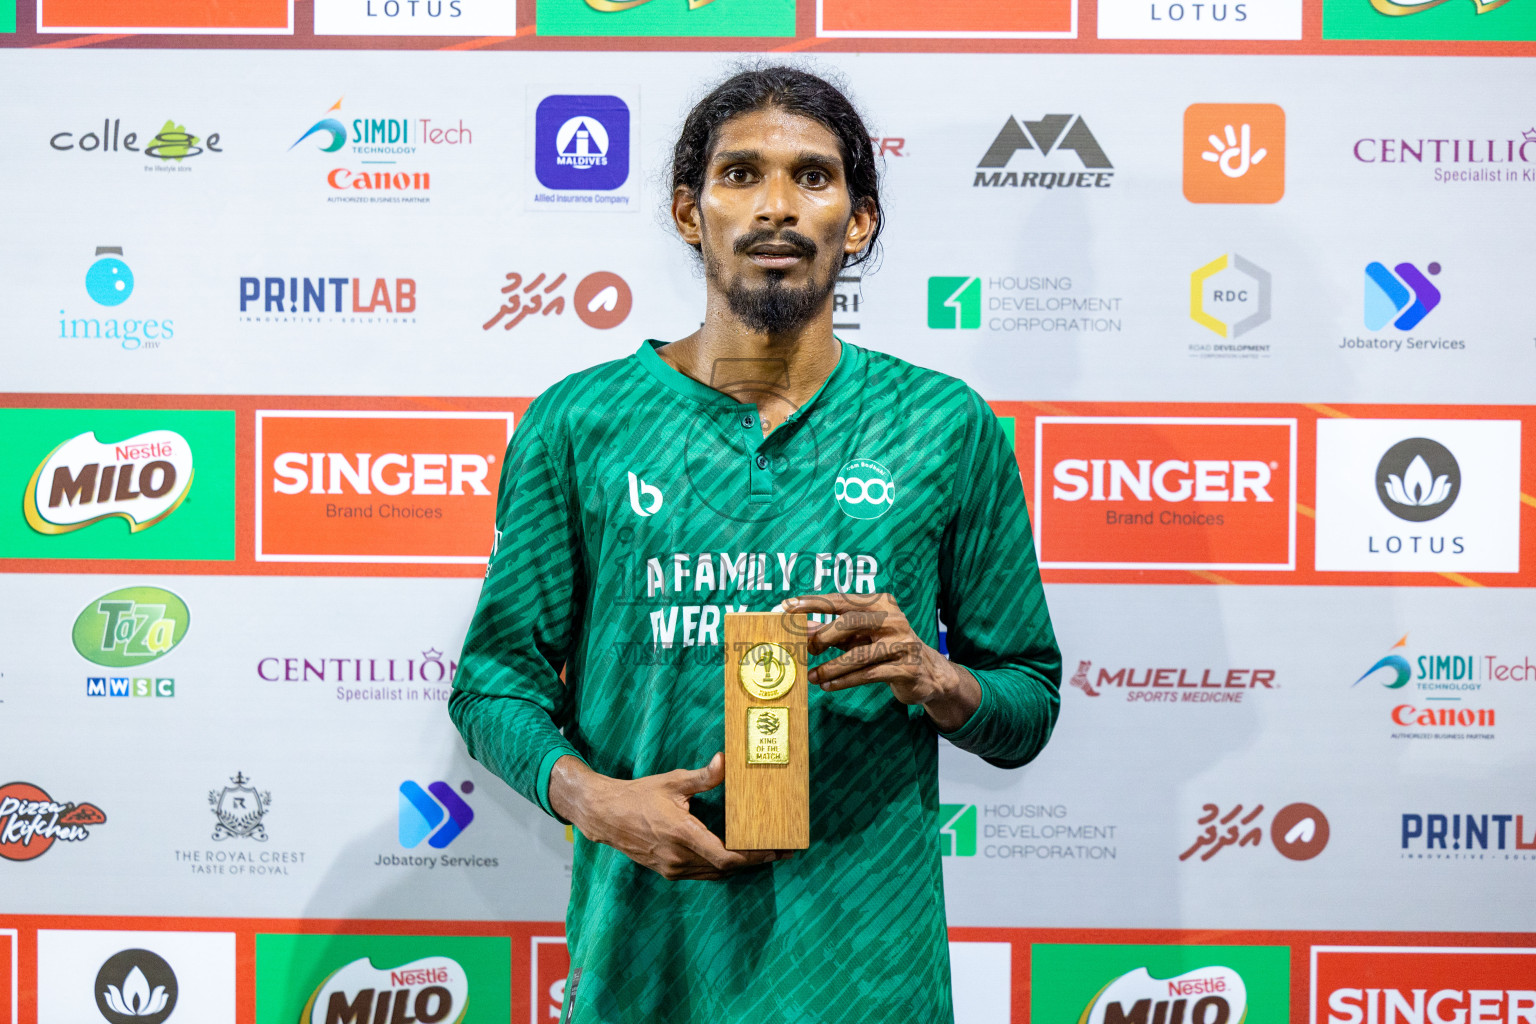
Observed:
{"x":280,"y":286}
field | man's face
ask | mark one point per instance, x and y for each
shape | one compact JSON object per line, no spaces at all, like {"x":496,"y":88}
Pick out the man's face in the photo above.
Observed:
{"x":774,"y":219}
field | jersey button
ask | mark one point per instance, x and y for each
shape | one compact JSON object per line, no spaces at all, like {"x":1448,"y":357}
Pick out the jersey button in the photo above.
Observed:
{"x":762,"y":462}
{"x":747,"y":421}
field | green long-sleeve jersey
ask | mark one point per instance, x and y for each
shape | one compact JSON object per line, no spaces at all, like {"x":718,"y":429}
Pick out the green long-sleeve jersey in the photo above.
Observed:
{"x":638,"y":506}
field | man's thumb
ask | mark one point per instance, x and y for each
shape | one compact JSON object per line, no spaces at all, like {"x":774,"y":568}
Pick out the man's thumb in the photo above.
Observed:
{"x":708,"y":777}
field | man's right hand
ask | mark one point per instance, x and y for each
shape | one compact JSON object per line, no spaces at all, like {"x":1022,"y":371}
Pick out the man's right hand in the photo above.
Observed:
{"x":647,"y":819}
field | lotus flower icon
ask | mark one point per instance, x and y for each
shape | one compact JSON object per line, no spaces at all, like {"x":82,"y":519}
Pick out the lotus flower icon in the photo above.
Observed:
{"x":1418,"y":479}
{"x":136,"y":998}
{"x":136,"y":986}
{"x":1418,"y":486}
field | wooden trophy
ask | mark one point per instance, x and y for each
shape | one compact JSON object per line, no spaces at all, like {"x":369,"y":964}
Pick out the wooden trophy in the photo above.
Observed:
{"x":767,"y":746}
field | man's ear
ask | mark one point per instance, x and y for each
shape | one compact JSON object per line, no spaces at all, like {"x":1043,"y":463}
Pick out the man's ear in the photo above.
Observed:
{"x":861,"y":227}
{"x":685,"y":215}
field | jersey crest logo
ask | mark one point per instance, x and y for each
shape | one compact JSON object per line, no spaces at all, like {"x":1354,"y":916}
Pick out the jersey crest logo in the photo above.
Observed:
{"x":864,"y":489}
{"x":638,"y":490}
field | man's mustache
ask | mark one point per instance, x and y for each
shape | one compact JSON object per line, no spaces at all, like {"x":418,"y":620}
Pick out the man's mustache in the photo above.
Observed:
{"x":802,"y":246}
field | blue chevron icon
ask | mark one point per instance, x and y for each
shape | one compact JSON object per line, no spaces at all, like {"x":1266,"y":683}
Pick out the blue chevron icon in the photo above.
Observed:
{"x":1401,"y":299}
{"x":422,"y":811}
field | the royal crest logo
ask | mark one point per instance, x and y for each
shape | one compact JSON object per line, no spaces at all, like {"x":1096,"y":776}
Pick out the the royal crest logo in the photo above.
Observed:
{"x":432,"y":990}
{"x":239,"y":809}
{"x":31,"y":821}
{"x":140,"y":480}
{"x":1206,"y":995}
{"x":864,"y":489}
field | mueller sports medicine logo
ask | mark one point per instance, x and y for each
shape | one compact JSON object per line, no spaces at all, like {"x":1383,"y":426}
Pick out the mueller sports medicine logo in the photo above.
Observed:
{"x":141,"y":480}
{"x":581,"y":143}
{"x":1169,"y":685}
{"x":1048,"y":137}
{"x":377,"y":486}
{"x":432,"y":990}
{"x":295,"y":300}
{"x":1405,"y":984}
{"x":1208,"y":995}
{"x":1234,"y":153}
{"x":1229,"y":296}
{"x":1165,"y":493}
{"x":109,"y":282}
{"x":31,"y":821}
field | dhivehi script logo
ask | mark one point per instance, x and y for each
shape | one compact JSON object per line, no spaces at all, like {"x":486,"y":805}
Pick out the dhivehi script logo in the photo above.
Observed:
{"x":864,"y":489}
{"x":432,"y":990}
{"x":83,"y":481}
{"x":1206,"y":995}
{"x":132,"y":626}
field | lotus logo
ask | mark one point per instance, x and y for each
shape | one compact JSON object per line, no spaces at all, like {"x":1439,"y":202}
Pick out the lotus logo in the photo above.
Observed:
{"x":130,"y":627}
{"x":136,"y":986}
{"x":1418,"y":479}
{"x":140,"y":480}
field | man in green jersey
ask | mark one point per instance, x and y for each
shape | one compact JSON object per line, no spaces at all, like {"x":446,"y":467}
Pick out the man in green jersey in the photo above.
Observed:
{"x":760,"y":462}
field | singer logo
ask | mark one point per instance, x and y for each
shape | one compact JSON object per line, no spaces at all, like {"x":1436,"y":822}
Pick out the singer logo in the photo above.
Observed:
{"x":1401,"y":984}
{"x":1165,"y":493}
{"x":82,"y":481}
{"x":376,"y":486}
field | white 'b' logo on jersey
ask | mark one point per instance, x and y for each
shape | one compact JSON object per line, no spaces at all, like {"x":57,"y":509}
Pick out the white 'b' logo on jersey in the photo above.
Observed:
{"x":639,"y":489}
{"x":864,"y":489}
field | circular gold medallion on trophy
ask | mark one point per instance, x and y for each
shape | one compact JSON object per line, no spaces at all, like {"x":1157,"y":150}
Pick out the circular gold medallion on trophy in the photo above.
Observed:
{"x":767,"y":671}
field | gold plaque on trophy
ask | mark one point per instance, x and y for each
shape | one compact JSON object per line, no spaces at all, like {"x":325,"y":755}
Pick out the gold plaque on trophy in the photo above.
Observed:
{"x":767,"y":750}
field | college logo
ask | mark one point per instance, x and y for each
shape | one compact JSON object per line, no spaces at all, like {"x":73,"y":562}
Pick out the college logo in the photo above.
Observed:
{"x":238,"y":809}
{"x":954,"y":302}
{"x":1418,"y":495}
{"x":1297,"y":831}
{"x":1146,"y":984}
{"x":582,"y":142}
{"x":601,"y":300}
{"x":140,"y":480}
{"x":376,"y":486}
{"x":31,"y":821}
{"x":1234,"y":153}
{"x":1401,"y":299}
{"x":1229,"y":296}
{"x":864,"y":489}
{"x":436,"y":814}
{"x":302,"y":299}
{"x":171,"y":144}
{"x":1049,"y":136}
{"x":1356,"y":984}
{"x":136,"y":986}
{"x":1164,"y":493}
{"x":109,"y":283}
{"x":651,"y":495}
{"x":957,"y":830}
{"x":666,"y":17}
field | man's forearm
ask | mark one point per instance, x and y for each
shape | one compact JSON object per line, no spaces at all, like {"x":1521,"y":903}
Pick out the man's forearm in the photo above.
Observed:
{"x":571,"y":781}
{"x":956,"y":700}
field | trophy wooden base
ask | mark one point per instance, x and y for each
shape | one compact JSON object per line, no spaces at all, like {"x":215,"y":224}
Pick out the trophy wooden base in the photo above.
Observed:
{"x":767,"y":745}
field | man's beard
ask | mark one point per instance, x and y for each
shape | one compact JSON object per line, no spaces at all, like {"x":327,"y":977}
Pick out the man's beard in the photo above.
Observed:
{"x":773,"y":308}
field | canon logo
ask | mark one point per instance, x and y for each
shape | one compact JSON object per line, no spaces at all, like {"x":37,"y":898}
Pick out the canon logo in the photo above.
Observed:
{"x":391,"y":473}
{"x":1171,"y":480}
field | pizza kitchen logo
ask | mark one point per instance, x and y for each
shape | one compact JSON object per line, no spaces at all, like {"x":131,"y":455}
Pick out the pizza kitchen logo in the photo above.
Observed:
{"x":430,"y":990}
{"x":140,"y":480}
{"x":31,"y":821}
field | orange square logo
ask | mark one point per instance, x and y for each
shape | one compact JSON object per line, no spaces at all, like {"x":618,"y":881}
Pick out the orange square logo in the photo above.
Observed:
{"x":1234,"y":153}
{"x":1115,"y":492}
{"x":377,"y":486}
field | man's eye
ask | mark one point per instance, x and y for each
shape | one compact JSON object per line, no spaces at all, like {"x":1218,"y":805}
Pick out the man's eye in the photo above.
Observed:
{"x":814,"y":179}
{"x":738,"y":175}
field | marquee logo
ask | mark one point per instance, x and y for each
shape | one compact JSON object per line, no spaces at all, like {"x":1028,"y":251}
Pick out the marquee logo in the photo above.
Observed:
{"x":1401,"y":299}
{"x":1400,"y":984}
{"x":864,"y":489}
{"x":1164,"y":492}
{"x":431,"y":990}
{"x":140,"y":480}
{"x":31,"y":821}
{"x":582,"y":142}
{"x":1234,"y":153}
{"x":377,"y":486}
{"x":1049,"y":136}
{"x":1208,"y":995}
{"x":436,"y":814}
{"x":136,"y":986}
{"x":130,"y":627}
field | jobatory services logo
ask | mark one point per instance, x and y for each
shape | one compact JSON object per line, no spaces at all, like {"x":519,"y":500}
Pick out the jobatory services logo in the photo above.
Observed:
{"x":1148,"y":984}
{"x":136,"y":986}
{"x":1468,"y":836}
{"x":1298,"y":831}
{"x":329,"y":300}
{"x":1487,"y":160}
{"x":1356,"y":984}
{"x":105,"y":483}
{"x":915,"y":19}
{"x":1044,"y":304}
{"x":666,"y":17}
{"x":1048,"y":137}
{"x":396,"y":487}
{"x":1024,"y":832}
{"x":31,"y":821}
{"x":1428,"y":19}
{"x":1117,"y":492}
{"x":129,"y":628}
{"x":1418,"y":495}
{"x":1197,"y":19}
{"x":1234,"y":153}
{"x":601,"y":300}
{"x":430,"y":979}
{"x":1148,"y":684}
{"x":582,"y":146}
{"x":1401,"y":297}
{"x":109,"y":283}
{"x":1229,"y":296}
{"x":169,"y":149}
{"x":385,"y":152}
{"x":436,"y":814}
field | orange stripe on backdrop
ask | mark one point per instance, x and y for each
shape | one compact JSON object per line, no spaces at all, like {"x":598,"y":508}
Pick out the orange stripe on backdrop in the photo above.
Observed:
{"x":946,"y":16}
{"x":173,"y":14}
{"x":62,"y":44}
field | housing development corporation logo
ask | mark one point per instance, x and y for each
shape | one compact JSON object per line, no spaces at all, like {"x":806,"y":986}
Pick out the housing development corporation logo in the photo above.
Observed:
{"x":436,"y":814}
{"x":109,"y":283}
{"x":1048,"y":137}
{"x":1234,"y":153}
{"x":1229,"y":296}
{"x":957,"y":830}
{"x":1031,"y":832}
{"x":31,"y":821}
{"x":1148,"y":984}
{"x":140,"y":480}
{"x":1028,"y":304}
{"x":136,"y":986}
{"x":581,"y":150}
{"x":954,"y":302}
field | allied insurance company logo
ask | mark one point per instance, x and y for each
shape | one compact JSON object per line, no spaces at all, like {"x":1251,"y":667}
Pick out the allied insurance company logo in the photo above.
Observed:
{"x":141,"y":480}
{"x":170,"y":147}
{"x":1356,"y":984}
{"x":581,"y":142}
{"x":127,"y":629}
{"x":389,"y":487}
{"x":436,"y":814}
{"x":109,"y":283}
{"x":136,"y":986}
{"x":430,"y":990}
{"x":1234,"y":153}
{"x":345,"y":299}
{"x":1122,"y":492}
{"x":1147,"y":984}
{"x":31,"y":821}
{"x":1229,"y":297}
{"x":377,"y":145}
{"x":1048,"y":137}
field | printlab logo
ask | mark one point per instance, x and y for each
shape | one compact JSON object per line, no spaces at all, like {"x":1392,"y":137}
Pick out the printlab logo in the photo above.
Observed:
{"x":140,"y":480}
{"x":1402,"y":296}
{"x":295,"y":300}
{"x":957,"y":830}
{"x":1229,"y":296}
{"x":31,"y":821}
{"x":582,"y":143}
{"x":602,"y":300}
{"x":644,"y":498}
{"x":136,"y":986}
{"x":954,"y":302}
{"x":1049,"y":136}
{"x":238,"y":809}
{"x":436,"y":814}
{"x":1298,"y":831}
{"x":109,"y":283}
{"x":172,"y":144}
{"x":1466,"y":837}
{"x":1418,"y":479}
{"x":1234,"y":153}
{"x":864,"y":489}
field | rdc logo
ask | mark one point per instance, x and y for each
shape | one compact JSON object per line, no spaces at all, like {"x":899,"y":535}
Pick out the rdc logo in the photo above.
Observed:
{"x":864,"y":489}
{"x":581,"y":142}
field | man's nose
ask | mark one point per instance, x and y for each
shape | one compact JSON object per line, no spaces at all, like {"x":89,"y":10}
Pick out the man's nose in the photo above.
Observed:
{"x":777,"y":202}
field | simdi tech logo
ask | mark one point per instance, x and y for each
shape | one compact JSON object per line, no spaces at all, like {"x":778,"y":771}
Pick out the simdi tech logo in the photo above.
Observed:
{"x":109,"y":283}
{"x":666,"y":17}
{"x":384,"y":148}
{"x":1428,"y":19}
{"x":401,"y":487}
{"x":1123,"y":492}
{"x":1048,"y":138}
{"x":1148,"y":984}
{"x":109,"y":483}
{"x":1234,"y":153}
{"x":342,"y":979}
{"x":1405,"y":984}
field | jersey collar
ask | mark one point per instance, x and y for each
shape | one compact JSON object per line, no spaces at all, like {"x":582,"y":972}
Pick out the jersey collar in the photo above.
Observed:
{"x":848,"y":361}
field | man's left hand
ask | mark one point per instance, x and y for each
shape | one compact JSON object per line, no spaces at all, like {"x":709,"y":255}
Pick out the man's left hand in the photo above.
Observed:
{"x":880,"y":646}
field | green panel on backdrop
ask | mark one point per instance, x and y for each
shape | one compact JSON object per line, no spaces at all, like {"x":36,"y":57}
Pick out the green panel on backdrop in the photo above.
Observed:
{"x":666,"y":18}
{"x":290,"y":969}
{"x":7,"y":15}
{"x":1453,"y":19}
{"x":1007,"y":422}
{"x":202,"y":526}
{"x":1065,"y":979}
